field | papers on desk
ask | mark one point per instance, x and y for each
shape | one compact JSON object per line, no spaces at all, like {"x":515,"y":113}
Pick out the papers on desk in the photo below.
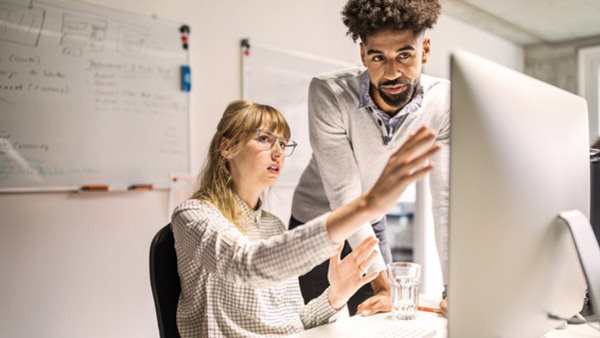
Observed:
{"x":426,"y":325}
{"x":410,"y":328}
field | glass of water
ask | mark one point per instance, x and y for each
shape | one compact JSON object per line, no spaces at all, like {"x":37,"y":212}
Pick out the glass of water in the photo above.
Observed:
{"x":405,"y":279}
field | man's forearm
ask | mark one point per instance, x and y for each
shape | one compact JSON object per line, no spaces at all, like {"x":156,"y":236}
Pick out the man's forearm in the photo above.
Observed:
{"x":381,"y":282}
{"x":384,"y":246}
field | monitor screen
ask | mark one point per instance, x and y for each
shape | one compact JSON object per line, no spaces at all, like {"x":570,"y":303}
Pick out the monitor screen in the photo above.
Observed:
{"x":519,"y":155}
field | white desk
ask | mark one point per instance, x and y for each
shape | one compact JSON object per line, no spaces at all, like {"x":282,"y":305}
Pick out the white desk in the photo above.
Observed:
{"x":575,"y":331}
{"x":381,"y":325}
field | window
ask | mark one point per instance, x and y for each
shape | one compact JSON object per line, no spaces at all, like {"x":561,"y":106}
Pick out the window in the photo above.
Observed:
{"x":589,"y":86}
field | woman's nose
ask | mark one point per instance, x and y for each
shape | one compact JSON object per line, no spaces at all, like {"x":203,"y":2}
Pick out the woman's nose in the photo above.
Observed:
{"x":277,"y":150}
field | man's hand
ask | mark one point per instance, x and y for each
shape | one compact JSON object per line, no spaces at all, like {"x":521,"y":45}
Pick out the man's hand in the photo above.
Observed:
{"x":380,"y":302}
{"x":346,"y":275}
{"x":443,"y":307}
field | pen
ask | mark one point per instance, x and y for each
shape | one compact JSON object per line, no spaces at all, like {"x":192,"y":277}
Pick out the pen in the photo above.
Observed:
{"x":95,"y":187}
{"x":430,"y":309}
{"x":140,"y":187}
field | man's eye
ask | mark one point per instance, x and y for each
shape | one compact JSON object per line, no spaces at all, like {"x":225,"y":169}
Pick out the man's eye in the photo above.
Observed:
{"x":404,"y":56}
{"x":264,"y":139}
{"x":378,"y":58}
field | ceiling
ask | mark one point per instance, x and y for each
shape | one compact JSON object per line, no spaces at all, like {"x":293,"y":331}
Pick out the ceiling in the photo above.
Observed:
{"x":530,"y":21}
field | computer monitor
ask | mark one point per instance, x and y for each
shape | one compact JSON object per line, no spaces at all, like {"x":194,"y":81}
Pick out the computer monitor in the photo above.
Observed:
{"x":519,"y":155}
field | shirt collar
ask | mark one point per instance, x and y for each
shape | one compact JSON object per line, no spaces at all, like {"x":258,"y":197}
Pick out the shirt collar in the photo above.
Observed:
{"x":364,"y":99}
{"x":250,"y":215}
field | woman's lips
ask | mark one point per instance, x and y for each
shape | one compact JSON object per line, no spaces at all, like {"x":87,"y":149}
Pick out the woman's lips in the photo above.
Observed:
{"x":274,"y":168}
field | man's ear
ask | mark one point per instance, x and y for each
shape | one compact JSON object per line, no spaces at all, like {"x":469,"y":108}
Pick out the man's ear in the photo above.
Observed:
{"x":224,"y":148}
{"x":363,"y":54}
{"x":426,"y":49}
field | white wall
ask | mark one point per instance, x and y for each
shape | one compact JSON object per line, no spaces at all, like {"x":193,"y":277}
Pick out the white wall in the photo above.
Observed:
{"x":450,"y":33}
{"x":76,"y":265}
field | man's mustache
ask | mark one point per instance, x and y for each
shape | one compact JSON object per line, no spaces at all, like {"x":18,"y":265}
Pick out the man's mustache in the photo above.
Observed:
{"x":394,"y":82}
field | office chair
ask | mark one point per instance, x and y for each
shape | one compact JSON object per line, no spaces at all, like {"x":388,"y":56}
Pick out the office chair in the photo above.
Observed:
{"x":164,"y":280}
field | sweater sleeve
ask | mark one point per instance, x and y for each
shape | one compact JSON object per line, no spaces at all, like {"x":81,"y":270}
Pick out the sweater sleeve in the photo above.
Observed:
{"x":439,"y":185}
{"x":202,"y":233}
{"x":335,"y":158}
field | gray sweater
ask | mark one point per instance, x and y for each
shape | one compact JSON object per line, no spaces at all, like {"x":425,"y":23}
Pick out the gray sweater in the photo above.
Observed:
{"x":349,"y":151}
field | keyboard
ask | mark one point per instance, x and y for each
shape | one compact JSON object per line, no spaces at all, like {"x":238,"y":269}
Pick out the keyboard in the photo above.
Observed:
{"x":408,"y":330}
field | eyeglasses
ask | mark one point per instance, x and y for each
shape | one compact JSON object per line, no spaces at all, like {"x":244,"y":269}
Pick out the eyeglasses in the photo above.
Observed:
{"x":266,"y":140}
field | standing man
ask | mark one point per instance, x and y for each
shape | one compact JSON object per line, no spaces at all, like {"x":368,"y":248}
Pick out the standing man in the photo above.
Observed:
{"x":357,"y":118}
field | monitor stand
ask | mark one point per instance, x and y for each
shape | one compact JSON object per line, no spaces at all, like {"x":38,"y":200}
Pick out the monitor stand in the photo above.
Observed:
{"x":588,"y":252}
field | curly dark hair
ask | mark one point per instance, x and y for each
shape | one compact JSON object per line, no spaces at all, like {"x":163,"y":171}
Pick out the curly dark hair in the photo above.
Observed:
{"x":365,"y":17}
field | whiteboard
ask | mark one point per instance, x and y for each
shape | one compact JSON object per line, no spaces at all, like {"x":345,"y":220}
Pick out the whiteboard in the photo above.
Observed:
{"x":89,"y":95}
{"x":280,"y":78}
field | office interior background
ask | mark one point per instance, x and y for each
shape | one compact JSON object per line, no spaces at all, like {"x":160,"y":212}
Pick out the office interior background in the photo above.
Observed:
{"x":76,"y":265}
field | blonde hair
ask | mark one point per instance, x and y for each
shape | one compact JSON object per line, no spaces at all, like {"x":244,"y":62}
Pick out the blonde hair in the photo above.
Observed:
{"x":237,"y":125}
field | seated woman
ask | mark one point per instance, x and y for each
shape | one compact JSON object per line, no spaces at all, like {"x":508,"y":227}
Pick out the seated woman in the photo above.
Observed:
{"x":239,"y":265}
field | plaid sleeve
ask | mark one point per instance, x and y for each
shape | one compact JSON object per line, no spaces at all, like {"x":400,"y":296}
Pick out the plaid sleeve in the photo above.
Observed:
{"x":317,"y":312}
{"x":204,"y":234}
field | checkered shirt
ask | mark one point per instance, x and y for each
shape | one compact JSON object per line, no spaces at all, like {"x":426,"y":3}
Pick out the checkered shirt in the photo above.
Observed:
{"x":245,"y":285}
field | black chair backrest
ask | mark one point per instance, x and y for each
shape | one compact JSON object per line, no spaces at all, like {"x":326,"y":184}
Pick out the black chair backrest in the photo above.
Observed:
{"x":165,"y":281}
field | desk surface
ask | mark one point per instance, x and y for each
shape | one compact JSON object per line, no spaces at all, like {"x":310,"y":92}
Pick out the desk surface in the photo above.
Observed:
{"x":426,"y":324}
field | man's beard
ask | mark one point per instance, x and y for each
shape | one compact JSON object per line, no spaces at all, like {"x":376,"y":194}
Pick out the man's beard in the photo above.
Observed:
{"x":400,"y":99}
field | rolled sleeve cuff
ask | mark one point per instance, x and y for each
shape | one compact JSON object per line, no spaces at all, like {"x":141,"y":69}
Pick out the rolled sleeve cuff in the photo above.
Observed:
{"x":321,"y":311}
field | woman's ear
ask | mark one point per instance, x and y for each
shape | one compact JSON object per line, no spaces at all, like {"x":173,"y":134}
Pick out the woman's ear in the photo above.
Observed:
{"x":224,"y":148}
